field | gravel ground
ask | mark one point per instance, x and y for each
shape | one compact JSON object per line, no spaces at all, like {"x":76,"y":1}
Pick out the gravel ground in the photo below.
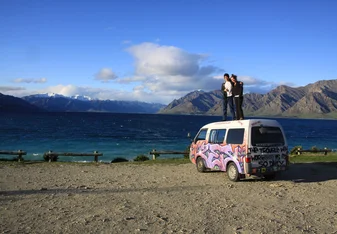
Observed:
{"x":163,"y":198}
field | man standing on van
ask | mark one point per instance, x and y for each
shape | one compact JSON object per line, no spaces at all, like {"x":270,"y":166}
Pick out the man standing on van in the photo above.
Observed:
{"x":226,"y":89}
{"x":238,"y":96}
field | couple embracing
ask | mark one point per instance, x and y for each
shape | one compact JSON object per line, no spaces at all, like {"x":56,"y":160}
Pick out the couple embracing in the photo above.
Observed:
{"x":232,"y":90}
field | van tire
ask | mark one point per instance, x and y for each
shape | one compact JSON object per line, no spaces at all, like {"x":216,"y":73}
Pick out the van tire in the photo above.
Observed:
{"x":200,"y":165}
{"x":233,"y":172}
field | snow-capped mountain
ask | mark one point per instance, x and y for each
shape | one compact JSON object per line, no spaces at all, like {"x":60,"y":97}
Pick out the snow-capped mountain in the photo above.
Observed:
{"x":81,"y":97}
{"x":78,"y":103}
{"x":55,"y":95}
{"x":43,"y":95}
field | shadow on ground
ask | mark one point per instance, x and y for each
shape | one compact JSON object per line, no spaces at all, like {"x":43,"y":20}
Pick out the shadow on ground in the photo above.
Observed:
{"x":310,"y":172}
{"x":302,"y":173}
{"x":85,"y":190}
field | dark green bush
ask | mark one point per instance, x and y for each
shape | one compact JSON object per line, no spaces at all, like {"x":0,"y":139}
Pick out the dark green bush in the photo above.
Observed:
{"x":314,"y":149}
{"x":141,"y":157}
{"x":187,"y":155}
{"x":47,"y":157}
{"x":119,"y":159}
{"x":294,"y":150}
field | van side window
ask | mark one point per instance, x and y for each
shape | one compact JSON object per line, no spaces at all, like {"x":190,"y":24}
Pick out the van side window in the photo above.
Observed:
{"x":217,"y":136}
{"x":235,"y":136}
{"x":201,"y":135}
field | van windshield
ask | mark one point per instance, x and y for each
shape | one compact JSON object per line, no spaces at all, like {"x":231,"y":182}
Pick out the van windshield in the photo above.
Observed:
{"x":267,"y":136}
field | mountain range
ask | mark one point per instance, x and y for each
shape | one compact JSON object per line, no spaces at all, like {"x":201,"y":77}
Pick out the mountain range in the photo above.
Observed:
{"x":317,"y":100}
{"x":58,"y":103}
{"x":313,"y":100}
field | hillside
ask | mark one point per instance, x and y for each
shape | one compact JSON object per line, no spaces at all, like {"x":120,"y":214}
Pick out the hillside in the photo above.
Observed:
{"x":13,"y":104}
{"x":314,"y":100}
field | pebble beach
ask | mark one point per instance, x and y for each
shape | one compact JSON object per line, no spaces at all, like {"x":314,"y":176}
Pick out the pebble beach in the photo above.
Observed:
{"x":46,"y":197}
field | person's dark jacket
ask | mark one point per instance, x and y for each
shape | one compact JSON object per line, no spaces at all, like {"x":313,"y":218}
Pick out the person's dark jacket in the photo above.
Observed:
{"x":237,"y":89}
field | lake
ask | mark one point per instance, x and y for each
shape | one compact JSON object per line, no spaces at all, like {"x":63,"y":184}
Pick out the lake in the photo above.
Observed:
{"x":129,"y":135}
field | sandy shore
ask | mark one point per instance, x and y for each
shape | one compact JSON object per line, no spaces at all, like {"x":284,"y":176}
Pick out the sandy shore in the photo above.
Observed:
{"x":130,"y":198}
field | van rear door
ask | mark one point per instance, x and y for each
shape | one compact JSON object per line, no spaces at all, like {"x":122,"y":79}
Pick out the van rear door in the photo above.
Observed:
{"x":268,"y":149}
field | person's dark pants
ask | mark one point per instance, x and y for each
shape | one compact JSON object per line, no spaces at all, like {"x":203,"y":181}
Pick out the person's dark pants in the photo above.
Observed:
{"x":224,"y":108}
{"x":228,"y":101}
{"x":238,"y":106}
{"x":241,"y":102}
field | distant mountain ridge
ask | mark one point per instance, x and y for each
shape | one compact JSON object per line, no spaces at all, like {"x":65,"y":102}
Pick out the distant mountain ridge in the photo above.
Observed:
{"x":77,"y":103}
{"x":313,"y":100}
{"x":317,"y":100}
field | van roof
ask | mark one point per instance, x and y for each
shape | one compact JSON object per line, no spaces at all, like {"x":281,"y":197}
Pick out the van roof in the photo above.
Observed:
{"x":242,"y":123}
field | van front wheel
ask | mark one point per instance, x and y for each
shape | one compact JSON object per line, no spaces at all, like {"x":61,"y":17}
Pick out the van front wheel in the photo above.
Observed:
{"x":201,"y":165}
{"x":232,"y":172}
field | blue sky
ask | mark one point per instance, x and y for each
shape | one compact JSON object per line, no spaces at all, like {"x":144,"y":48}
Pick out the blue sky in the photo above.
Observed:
{"x":157,"y":51}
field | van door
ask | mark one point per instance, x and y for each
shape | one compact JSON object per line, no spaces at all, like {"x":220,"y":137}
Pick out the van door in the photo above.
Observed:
{"x":198,"y":141}
{"x":236,"y":138}
{"x":208,"y":149}
{"x":268,"y":149}
{"x":217,"y":150}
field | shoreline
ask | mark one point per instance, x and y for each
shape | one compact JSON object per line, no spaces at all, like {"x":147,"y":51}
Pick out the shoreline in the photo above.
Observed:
{"x":309,"y":116}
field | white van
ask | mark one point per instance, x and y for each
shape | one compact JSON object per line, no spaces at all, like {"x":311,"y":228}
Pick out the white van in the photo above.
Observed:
{"x":241,"y":148}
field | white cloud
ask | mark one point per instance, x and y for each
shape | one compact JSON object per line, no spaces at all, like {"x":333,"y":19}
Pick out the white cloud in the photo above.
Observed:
{"x":161,"y":74}
{"x":143,"y":92}
{"x":170,"y":72}
{"x":6,"y":89}
{"x":30,"y":80}
{"x":138,"y":93}
{"x":255,"y":85}
{"x":105,"y":75}
{"x":16,"y":91}
{"x":248,"y":80}
{"x":291,"y":84}
{"x":218,"y":77}
{"x":153,"y":59}
{"x":66,"y":90}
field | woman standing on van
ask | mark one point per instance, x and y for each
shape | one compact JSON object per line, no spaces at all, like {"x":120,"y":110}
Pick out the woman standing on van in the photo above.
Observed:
{"x":237,"y":92}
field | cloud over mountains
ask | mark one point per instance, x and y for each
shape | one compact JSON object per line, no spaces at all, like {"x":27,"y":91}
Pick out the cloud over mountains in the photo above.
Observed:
{"x":168,"y":70}
{"x":30,"y":80}
{"x":105,"y":75}
{"x":160,"y":73}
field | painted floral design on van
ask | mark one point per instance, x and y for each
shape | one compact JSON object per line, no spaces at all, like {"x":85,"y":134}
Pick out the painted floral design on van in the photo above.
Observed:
{"x":216,"y":156}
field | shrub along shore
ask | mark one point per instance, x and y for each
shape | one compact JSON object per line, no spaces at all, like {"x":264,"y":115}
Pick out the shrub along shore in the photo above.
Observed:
{"x":303,"y":158}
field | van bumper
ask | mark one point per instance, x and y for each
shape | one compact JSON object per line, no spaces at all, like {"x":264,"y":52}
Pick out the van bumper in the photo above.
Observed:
{"x":267,"y":170}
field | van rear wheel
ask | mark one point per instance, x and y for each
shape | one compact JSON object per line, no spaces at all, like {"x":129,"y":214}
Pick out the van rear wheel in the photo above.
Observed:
{"x":201,"y":164}
{"x":233,"y":172}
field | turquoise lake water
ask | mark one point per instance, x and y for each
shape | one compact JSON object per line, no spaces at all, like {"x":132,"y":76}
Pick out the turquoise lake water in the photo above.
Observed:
{"x":128,"y":135}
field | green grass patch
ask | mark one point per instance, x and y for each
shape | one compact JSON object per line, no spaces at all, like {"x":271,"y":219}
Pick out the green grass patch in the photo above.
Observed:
{"x":174,"y":161}
{"x":313,"y":157}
